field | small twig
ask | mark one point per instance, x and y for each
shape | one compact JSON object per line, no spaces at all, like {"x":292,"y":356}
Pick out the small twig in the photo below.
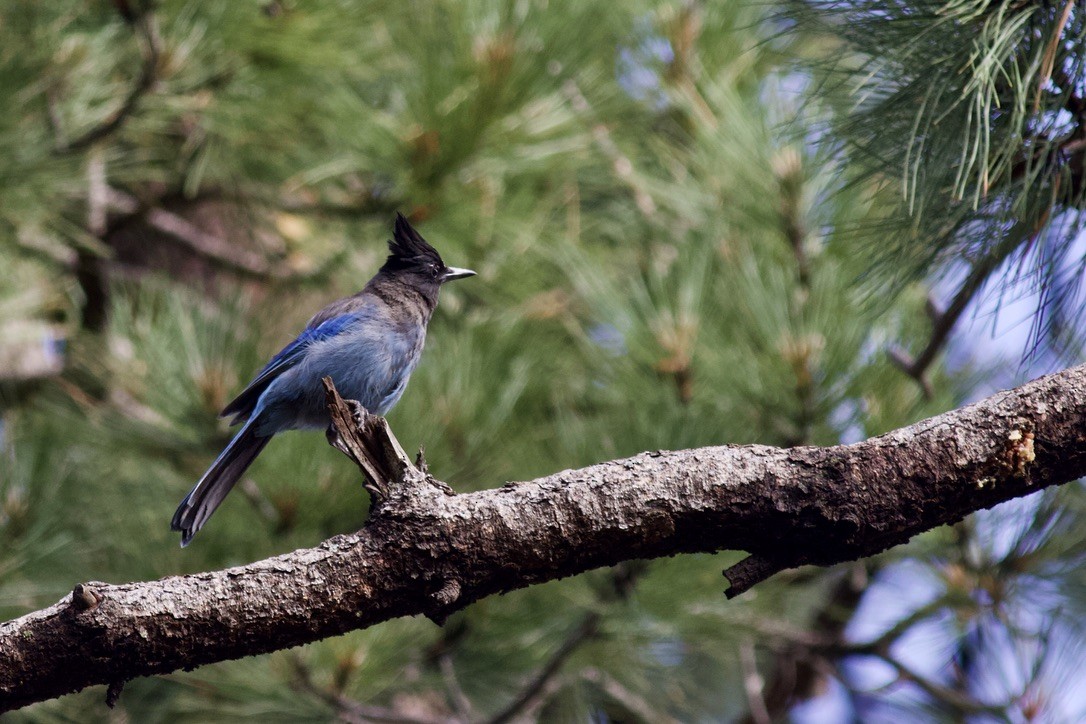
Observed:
{"x":444,"y":599}
{"x":753,"y":684}
{"x":113,"y":692}
{"x":944,"y":695}
{"x":587,"y":629}
{"x":1048,"y":60}
{"x":752,"y":570}
{"x":348,"y":709}
{"x":85,"y":597}
{"x":459,"y":700}
{"x":881,"y":644}
{"x":259,"y":501}
{"x":97,"y":193}
{"x":942,"y":322}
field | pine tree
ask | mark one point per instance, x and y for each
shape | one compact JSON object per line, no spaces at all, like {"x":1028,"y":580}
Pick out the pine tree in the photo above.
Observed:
{"x":672,"y":209}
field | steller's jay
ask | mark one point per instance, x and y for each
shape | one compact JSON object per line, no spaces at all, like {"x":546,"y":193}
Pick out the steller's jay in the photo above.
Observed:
{"x":368,"y":344}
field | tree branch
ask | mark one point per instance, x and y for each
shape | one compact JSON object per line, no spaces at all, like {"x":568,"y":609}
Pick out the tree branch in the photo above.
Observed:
{"x":425,"y":551}
{"x":943,"y":321}
{"x":143,"y":22}
{"x":795,"y":674}
{"x":585,"y":630}
{"x":209,"y":245}
{"x":349,"y":710}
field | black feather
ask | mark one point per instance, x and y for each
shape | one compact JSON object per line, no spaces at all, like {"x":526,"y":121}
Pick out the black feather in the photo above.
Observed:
{"x":220,"y":478}
{"x":408,"y":249}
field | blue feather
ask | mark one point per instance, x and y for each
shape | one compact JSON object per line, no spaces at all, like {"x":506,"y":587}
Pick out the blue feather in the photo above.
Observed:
{"x":242,"y":406}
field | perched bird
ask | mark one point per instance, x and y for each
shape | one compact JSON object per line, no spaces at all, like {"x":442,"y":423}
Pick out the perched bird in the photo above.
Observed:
{"x":368,"y":344}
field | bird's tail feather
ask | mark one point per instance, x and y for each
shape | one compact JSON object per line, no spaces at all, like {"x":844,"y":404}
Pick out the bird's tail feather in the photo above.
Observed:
{"x":219,"y":479}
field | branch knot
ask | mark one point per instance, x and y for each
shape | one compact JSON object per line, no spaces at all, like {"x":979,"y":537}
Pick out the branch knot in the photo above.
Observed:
{"x":85,"y":598}
{"x":445,"y":598}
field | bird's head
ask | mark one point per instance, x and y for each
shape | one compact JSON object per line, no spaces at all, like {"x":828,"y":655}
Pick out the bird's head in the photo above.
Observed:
{"x":412,"y":260}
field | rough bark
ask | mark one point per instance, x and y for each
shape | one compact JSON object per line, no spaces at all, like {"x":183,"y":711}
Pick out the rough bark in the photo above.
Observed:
{"x":427,"y":551}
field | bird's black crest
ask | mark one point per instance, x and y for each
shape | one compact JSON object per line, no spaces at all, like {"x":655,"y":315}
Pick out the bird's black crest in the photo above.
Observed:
{"x":407,"y":247}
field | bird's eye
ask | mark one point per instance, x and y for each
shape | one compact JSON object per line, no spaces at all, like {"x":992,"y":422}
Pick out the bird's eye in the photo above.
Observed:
{"x":434,"y":271}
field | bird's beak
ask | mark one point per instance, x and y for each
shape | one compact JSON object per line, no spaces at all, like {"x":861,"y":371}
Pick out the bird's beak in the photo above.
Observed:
{"x":455,"y":273}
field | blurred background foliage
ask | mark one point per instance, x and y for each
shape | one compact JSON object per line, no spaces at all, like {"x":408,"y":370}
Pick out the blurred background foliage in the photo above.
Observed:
{"x":694,"y":224}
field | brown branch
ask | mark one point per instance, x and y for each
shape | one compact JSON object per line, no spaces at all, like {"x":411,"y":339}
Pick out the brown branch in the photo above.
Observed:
{"x":346,"y":708}
{"x":754,"y":569}
{"x":211,"y":246}
{"x":1048,"y":60}
{"x":151,"y":49}
{"x":943,"y":322}
{"x":796,"y":672}
{"x":585,"y":630}
{"x":368,"y":441}
{"x":425,"y":551}
{"x":955,"y":700}
{"x":622,"y":580}
{"x":90,"y":272}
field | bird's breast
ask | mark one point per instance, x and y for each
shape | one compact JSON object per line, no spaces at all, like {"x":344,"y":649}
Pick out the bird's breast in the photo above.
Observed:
{"x":371,"y":365}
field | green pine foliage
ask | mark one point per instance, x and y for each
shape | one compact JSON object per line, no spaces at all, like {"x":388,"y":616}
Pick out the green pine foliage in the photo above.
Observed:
{"x":667,"y":258}
{"x":973,"y":113}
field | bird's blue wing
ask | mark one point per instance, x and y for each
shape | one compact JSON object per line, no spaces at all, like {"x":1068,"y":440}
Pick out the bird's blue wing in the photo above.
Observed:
{"x":242,"y":405}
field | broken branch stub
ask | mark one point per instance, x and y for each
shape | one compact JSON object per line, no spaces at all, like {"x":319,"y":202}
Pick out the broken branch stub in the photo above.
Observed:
{"x":367,"y":440}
